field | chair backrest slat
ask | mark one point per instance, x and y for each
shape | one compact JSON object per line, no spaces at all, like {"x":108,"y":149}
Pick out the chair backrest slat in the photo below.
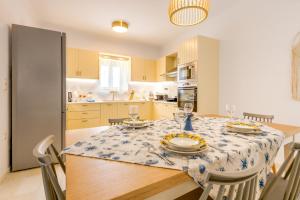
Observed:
{"x":206,"y":191}
{"x":42,"y":152}
{"x":239,"y":192}
{"x":292,"y":178}
{"x":221,"y":192}
{"x":246,"y":181}
{"x":287,"y":178}
{"x":258,"y":117}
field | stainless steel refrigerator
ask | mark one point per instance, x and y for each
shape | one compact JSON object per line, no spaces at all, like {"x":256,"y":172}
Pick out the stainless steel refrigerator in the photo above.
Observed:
{"x":38,"y":91}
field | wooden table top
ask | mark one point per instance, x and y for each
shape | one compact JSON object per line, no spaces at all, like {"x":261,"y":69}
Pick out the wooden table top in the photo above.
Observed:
{"x":91,"y":178}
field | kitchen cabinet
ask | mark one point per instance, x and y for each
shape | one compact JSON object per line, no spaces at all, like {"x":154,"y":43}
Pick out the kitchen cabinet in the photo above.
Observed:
{"x":164,"y":110}
{"x":188,"y":51}
{"x":108,"y":111}
{"x":165,"y":65}
{"x":86,"y":115}
{"x":83,"y":115}
{"x":82,"y":64}
{"x":143,"y":69}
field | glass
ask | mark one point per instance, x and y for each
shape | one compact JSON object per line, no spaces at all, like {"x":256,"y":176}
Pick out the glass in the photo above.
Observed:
{"x":179,"y":117}
{"x":188,"y":108}
{"x":133,"y":112}
{"x":230,"y":109}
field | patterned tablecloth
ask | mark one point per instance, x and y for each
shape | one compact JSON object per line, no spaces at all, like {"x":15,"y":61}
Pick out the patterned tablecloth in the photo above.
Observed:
{"x":226,"y":152}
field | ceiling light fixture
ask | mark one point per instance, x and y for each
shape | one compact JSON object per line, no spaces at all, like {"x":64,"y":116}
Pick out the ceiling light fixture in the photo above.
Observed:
{"x":188,"y":12}
{"x":120,"y":26}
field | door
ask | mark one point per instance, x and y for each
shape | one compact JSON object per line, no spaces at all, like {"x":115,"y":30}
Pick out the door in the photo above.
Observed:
{"x":108,"y":111}
{"x":187,"y":95}
{"x":72,"y":63}
{"x":37,"y":91}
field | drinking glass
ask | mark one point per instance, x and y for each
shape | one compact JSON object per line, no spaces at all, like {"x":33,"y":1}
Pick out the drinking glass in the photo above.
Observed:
{"x":179,"y":118}
{"x":133,"y":112}
{"x":188,"y":108}
{"x":230,"y":109}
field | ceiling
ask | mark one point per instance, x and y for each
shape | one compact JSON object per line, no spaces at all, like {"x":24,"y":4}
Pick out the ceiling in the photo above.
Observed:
{"x":148,"y":19}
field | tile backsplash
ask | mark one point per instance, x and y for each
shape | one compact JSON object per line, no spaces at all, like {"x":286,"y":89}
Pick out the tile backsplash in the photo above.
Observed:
{"x":142,"y":89}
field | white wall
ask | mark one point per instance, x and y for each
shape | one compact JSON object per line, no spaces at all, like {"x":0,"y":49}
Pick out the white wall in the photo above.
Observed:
{"x":4,"y":100}
{"x":255,"y":61}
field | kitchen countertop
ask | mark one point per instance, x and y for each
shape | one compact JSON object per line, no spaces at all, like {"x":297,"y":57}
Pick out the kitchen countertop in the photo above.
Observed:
{"x":166,"y":102}
{"x":109,"y":101}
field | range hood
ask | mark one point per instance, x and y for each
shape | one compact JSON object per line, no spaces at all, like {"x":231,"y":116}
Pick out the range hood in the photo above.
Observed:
{"x":171,"y":73}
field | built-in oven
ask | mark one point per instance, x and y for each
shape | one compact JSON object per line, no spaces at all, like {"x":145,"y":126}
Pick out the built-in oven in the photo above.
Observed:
{"x":187,"y":72}
{"x":187,"y":95}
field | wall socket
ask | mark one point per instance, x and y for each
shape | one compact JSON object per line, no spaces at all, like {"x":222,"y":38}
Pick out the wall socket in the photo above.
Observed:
{"x":5,"y":85}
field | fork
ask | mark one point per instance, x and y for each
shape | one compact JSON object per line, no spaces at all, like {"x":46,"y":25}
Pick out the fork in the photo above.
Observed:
{"x":167,"y":161}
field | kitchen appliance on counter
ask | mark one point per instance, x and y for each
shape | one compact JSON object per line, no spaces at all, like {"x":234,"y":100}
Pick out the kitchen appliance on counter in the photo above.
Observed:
{"x":171,"y":99}
{"x":187,"y":95}
{"x":161,"y":97}
{"x":187,"y":73}
{"x":38,"y":67}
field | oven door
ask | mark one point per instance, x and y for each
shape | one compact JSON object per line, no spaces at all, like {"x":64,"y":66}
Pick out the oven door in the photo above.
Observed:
{"x":187,"y":95}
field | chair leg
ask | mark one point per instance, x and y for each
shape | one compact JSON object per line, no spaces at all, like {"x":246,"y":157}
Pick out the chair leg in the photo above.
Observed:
{"x":274,"y":170}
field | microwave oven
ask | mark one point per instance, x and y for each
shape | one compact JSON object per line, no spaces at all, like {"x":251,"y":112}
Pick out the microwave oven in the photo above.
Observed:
{"x":187,"y":72}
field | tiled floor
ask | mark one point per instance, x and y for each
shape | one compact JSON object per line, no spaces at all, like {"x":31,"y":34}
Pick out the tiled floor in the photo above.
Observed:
{"x":26,"y":185}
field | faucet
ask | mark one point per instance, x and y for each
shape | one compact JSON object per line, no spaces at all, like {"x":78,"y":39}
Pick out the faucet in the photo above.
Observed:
{"x":114,"y":94}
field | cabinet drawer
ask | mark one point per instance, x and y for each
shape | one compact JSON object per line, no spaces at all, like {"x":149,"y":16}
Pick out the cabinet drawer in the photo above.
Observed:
{"x":82,"y":123}
{"x":83,"y":115}
{"x":84,"y":107}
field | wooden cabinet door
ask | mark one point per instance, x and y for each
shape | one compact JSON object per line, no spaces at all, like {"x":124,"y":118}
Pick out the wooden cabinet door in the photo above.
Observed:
{"x":145,"y":110}
{"x":137,"y":69}
{"x":88,"y":64}
{"x":108,"y":111}
{"x":123,"y":110}
{"x":160,"y":69}
{"x":149,"y":70}
{"x":72,"y":64}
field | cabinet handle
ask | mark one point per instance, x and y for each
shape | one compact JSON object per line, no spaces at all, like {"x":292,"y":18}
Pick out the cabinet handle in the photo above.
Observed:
{"x":84,"y":121}
{"x":84,"y":105}
{"x":84,"y":113}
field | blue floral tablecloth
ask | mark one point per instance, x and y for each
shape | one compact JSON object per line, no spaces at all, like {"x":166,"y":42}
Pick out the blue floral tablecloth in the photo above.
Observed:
{"x":226,"y":152}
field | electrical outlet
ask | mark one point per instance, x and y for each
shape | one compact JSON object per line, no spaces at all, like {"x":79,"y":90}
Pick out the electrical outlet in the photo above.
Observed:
{"x":5,"y":85}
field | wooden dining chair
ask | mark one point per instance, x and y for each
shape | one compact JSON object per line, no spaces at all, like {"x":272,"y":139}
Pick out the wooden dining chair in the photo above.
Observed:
{"x":244,"y":181}
{"x":259,"y":117}
{"x":285,"y":184}
{"x":118,"y":121}
{"x":47,"y":155}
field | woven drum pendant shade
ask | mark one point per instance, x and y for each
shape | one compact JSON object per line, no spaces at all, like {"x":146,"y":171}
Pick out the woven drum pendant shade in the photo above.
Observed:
{"x":188,"y":12}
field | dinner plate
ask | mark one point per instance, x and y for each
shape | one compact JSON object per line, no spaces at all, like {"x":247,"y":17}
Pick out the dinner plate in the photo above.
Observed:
{"x":136,"y":124}
{"x":165,"y":147}
{"x":234,"y":130}
{"x":243,"y":126}
{"x":183,"y":142}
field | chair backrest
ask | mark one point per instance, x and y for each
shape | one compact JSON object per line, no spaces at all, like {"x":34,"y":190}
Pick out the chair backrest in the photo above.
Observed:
{"x":45,"y":153}
{"x":118,"y":121}
{"x":244,"y":181}
{"x":288,"y":177}
{"x":259,"y":117}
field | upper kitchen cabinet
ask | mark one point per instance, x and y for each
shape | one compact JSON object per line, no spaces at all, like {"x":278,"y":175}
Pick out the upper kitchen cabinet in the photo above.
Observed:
{"x":143,"y":69}
{"x":166,"y":68}
{"x":188,"y":51}
{"x":82,"y":64}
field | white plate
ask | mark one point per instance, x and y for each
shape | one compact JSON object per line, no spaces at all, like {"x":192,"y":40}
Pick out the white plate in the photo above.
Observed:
{"x":183,"y":152}
{"x":244,"y":131}
{"x":184,"y":142}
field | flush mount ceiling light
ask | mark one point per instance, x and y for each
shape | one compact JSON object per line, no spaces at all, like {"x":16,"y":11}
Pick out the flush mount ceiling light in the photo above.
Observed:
{"x":188,"y":12}
{"x":120,"y":26}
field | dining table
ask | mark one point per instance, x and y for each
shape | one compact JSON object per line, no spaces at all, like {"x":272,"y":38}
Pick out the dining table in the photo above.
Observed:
{"x":112,"y":162}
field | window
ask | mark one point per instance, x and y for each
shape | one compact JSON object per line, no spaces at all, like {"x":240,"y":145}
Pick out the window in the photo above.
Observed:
{"x":114,"y":73}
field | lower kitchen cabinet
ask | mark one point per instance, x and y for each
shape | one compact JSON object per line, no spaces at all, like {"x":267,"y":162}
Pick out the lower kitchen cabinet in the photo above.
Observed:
{"x":87,"y":115}
{"x":108,"y":111}
{"x":163,"y":110}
